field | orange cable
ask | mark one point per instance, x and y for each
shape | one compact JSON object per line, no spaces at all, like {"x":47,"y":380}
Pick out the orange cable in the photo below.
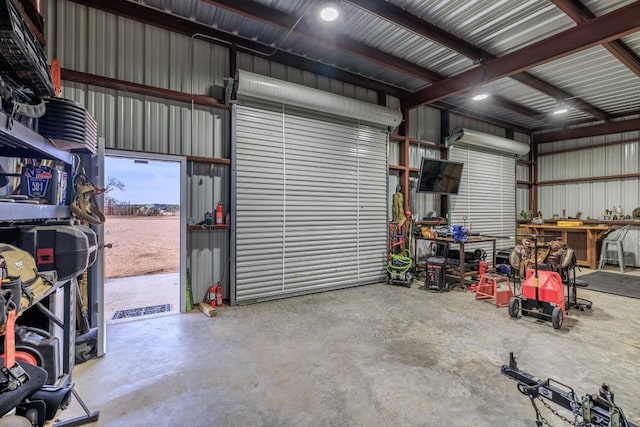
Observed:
{"x":55,"y":76}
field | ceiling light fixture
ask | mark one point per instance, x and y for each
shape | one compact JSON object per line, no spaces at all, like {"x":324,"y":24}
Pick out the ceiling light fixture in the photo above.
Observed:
{"x":329,"y":13}
{"x":560,"y":110}
{"x":480,"y":92}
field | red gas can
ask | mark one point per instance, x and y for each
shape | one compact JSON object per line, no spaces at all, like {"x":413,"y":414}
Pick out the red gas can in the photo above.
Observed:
{"x":550,"y":287}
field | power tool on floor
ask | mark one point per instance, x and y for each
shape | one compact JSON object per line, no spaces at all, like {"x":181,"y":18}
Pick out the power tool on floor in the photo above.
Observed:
{"x":400,"y":268}
{"x":590,"y":410}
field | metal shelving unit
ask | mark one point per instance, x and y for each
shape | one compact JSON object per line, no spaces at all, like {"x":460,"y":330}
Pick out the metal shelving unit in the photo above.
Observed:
{"x":17,"y":140}
{"x":27,"y":212}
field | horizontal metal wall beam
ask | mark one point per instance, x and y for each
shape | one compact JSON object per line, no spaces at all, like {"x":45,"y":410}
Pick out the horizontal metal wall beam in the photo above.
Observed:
{"x":590,"y":179}
{"x":588,"y":147}
{"x":140,"y":89}
{"x":587,"y":131}
{"x":611,"y":26}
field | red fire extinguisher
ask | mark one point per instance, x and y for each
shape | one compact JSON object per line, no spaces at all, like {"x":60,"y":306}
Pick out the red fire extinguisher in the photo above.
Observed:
{"x":218,"y":294}
{"x":211,"y":295}
{"x":219,"y":213}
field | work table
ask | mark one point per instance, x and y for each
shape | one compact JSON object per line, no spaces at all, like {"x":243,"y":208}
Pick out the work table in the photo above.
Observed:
{"x":583,"y":239}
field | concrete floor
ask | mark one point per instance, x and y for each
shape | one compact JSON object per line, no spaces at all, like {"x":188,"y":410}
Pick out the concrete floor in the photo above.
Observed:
{"x":125,"y":293}
{"x":369,"y":356}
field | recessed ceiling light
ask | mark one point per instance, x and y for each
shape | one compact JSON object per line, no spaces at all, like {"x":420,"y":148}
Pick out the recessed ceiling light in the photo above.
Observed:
{"x":561,"y":110}
{"x":329,"y":13}
{"x":480,"y":96}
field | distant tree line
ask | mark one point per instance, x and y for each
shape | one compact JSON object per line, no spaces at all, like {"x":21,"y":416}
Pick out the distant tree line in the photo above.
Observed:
{"x":113,"y":206}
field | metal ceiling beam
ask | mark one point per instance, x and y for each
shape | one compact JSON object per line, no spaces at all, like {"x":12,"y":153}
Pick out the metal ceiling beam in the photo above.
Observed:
{"x":507,"y":104}
{"x":402,"y":18}
{"x":291,"y":24}
{"x":157,"y":18}
{"x":587,"y":131}
{"x":611,"y":26}
{"x":590,"y":122}
{"x":581,"y":14}
{"x":266,"y":15}
{"x":443,"y":105}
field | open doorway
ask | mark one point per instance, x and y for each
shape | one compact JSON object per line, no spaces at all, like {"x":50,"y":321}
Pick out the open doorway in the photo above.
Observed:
{"x":142,"y":205}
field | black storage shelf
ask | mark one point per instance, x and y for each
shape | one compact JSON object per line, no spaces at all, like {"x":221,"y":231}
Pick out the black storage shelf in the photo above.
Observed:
{"x":31,"y":212}
{"x":17,"y":140}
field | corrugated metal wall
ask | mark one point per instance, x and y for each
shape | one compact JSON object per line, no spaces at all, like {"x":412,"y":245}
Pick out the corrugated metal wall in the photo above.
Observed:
{"x":422,"y":203}
{"x":522,"y":174}
{"x":208,"y":250}
{"x":486,"y":201}
{"x":590,"y":198}
{"x":457,"y":121}
{"x":522,"y":191}
{"x":91,"y":41}
{"x":134,"y":122}
{"x":424,"y":124}
{"x":87,"y":40}
{"x":594,"y":197}
{"x":494,"y":206}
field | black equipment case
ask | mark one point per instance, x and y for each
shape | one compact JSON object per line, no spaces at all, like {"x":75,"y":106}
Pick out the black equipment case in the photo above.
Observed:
{"x":436,"y":274}
{"x":66,"y":249}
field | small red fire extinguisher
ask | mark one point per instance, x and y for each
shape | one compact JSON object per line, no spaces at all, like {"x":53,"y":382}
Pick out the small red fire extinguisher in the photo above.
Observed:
{"x":219,"y":213}
{"x":218,"y":294}
{"x":211,"y":295}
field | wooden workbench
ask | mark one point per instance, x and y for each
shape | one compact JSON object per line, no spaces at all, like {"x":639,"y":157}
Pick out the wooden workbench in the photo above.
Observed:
{"x":582,"y":239}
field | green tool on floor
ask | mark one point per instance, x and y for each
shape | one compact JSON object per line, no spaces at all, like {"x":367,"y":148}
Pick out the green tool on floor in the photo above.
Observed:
{"x":189,"y":296}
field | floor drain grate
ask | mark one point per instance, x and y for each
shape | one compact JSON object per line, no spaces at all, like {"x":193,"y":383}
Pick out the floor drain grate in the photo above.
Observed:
{"x":141,"y":311}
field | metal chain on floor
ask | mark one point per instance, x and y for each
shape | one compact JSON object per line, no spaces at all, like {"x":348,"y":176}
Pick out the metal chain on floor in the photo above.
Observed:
{"x":541,"y":420}
{"x":556,"y":413}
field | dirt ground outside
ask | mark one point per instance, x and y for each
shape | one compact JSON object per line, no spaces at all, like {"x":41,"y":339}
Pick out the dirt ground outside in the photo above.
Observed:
{"x":142,"y":245}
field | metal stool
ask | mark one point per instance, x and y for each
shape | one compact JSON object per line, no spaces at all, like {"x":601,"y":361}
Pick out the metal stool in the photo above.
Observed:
{"x":616,"y":238}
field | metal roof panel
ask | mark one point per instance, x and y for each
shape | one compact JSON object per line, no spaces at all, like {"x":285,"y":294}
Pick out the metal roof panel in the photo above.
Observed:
{"x":597,"y":77}
{"x":498,"y":27}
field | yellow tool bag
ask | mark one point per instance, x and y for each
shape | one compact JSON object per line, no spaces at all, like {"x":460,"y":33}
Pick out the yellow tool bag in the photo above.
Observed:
{"x":20,"y":275}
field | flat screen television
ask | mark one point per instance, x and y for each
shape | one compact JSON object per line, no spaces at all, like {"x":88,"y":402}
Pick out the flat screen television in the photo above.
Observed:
{"x":439,"y":176}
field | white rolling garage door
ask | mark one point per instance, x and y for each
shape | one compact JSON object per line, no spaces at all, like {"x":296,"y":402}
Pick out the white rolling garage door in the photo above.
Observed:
{"x":310,"y":203}
{"x":486,"y":200}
